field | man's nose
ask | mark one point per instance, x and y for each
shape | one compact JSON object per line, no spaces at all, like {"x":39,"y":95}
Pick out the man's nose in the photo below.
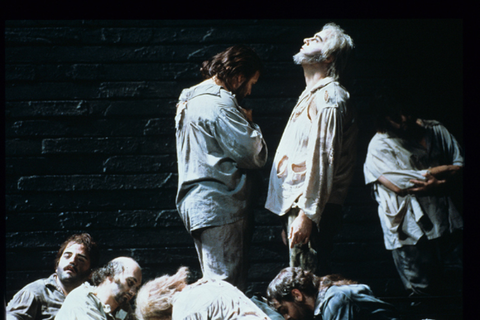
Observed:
{"x":72,"y":260}
{"x":132,"y":291}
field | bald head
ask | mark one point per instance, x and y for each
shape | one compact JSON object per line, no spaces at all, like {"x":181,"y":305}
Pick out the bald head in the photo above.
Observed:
{"x":115,"y":267}
{"x":118,"y":281}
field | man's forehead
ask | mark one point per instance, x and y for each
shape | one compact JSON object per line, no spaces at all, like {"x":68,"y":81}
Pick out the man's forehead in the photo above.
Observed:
{"x":322,"y":33}
{"x":75,"y":246}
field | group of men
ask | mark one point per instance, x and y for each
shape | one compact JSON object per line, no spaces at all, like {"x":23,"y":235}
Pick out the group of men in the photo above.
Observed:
{"x":79,"y":288}
{"x":411,"y":164}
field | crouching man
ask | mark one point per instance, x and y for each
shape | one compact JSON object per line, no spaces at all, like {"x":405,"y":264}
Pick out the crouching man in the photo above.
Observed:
{"x":298,"y":294}
{"x":170,"y":297}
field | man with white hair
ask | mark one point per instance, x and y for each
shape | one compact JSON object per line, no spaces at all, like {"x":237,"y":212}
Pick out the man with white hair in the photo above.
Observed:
{"x":115,"y":285}
{"x":314,"y":161}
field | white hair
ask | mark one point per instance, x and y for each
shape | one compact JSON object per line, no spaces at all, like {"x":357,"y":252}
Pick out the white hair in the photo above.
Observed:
{"x":338,"y":44}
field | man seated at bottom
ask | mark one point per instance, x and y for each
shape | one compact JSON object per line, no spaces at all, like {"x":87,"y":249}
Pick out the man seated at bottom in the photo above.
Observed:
{"x":115,"y":285}
{"x":170,"y":297}
{"x":298,"y":294}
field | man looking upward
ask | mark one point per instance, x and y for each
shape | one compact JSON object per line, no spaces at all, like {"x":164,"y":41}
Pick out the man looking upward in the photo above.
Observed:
{"x":314,"y":161}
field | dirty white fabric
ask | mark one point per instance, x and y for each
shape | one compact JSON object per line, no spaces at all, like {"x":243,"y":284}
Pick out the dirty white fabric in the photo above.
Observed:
{"x":217,"y":150}
{"x":399,"y":161}
{"x":315,"y":158}
{"x":82,"y":304}
{"x":214,"y":300}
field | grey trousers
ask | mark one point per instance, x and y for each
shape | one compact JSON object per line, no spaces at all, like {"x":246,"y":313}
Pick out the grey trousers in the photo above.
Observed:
{"x":223,"y":252}
{"x":431,"y":267}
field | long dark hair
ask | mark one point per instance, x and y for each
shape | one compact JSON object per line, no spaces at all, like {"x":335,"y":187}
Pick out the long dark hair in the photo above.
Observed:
{"x":306,"y":281}
{"x":234,"y":61}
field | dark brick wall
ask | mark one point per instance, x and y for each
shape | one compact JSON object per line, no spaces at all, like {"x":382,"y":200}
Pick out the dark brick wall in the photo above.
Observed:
{"x":90,"y":142}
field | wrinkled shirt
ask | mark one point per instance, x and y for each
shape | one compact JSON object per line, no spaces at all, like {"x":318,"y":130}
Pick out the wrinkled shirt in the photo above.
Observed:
{"x":351,"y":302}
{"x":82,"y":304}
{"x":217,"y":148}
{"x":40,"y":299}
{"x":315,"y":158}
{"x":399,"y":160}
{"x":214,"y":300}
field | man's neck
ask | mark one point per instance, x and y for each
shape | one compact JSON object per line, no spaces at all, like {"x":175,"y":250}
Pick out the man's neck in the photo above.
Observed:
{"x":104,"y":295}
{"x":65,"y":287}
{"x":314,"y":73}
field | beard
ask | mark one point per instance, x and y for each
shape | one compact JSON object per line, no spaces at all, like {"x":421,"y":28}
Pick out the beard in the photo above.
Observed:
{"x":301,"y":58}
{"x":302,"y":311}
{"x":71,"y":278}
{"x":241,"y":92}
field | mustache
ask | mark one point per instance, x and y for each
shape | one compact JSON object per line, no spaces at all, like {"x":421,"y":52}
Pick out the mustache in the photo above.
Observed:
{"x":71,"y":267}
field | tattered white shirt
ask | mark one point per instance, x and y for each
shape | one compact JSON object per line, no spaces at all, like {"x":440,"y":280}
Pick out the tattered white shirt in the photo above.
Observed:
{"x":399,"y":161}
{"x":315,"y":158}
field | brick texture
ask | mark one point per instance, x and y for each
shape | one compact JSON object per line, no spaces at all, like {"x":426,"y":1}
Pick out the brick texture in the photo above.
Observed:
{"x":90,"y":143}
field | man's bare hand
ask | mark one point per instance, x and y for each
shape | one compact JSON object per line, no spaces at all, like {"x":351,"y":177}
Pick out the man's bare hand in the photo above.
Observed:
{"x":430,"y":184}
{"x":300,"y":229}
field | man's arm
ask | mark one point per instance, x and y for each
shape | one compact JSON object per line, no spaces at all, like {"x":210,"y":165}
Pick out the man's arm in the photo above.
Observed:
{"x":241,"y":139}
{"x":325,"y":139}
{"x":437,"y":179}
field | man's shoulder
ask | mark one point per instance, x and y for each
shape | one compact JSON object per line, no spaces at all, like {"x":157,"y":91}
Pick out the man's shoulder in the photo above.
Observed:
{"x":82,"y":290}
{"x":331,"y":94}
{"x":40,"y":285}
{"x":206,"y":89}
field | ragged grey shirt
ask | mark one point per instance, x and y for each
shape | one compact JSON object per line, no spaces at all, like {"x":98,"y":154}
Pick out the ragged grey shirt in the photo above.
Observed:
{"x":315,"y":158}
{"x":399,"y":161}
{"x":40,"y":299}
{"x":350,"y":302}
{"x":217,"y":148}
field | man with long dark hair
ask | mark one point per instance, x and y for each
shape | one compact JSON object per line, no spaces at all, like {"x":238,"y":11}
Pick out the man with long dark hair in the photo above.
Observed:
{"x":42,"y":299}
{"x":218,"y":149}
{"x":299,"y":294}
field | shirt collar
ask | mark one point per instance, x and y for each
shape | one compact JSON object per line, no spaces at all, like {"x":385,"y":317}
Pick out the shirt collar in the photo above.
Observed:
{"x":206,"y":87}
{"x":321,"y":83}
{"x":52,"y":281}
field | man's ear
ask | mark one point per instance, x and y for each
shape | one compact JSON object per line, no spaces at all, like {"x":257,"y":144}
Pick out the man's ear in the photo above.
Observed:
{"x":297,"y":295}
